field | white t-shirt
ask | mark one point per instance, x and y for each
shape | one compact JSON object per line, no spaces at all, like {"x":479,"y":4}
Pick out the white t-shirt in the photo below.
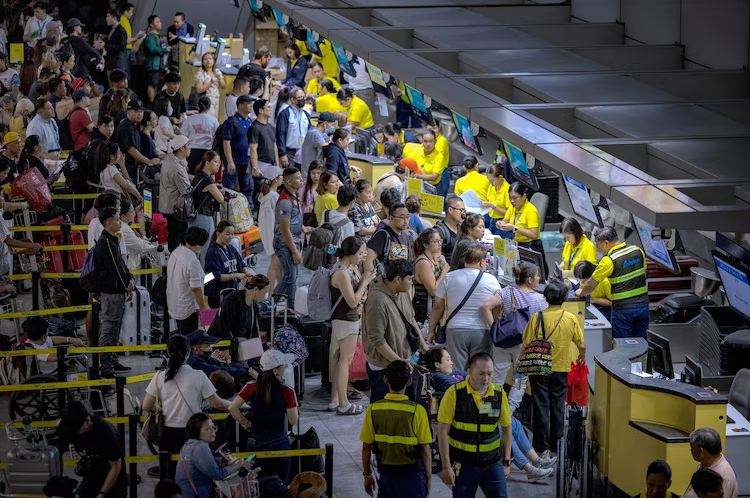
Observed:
{"x":182,"y":396}
{"x":107,"y":178}
{"x":230,"y":106}
{"x":161,"y":140}
{"x":362,"y":80}
{"x":95,"y":231}
{"x":184,"y":273}
{"x":347,"y":230}
{"x":5,"y":256}
{"x":453,"y":289}
{"x":44,"y":366}
{"x":201,"y":129}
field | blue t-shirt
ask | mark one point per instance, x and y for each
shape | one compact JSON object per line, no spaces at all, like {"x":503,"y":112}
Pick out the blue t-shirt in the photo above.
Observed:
{"x":235,"y":130}
{"x":220,"y":260}
{"x":445,"y":381}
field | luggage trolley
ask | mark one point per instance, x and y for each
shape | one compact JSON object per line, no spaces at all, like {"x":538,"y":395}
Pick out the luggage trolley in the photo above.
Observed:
{"x":574,"y":455}
{"x":31,"y":462}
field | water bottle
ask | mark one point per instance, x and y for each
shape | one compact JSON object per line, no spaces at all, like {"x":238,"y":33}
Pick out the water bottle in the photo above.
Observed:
{"x":517,"y":381}
{"x":415,"y":357}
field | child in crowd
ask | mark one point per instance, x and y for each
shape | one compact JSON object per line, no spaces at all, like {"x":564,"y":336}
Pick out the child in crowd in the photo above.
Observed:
{"x":36,"y":330}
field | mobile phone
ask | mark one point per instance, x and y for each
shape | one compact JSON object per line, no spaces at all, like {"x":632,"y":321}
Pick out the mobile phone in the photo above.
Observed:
{"x":250,"y":457}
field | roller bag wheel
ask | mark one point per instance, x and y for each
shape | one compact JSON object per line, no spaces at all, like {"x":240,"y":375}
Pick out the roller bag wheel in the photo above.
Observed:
{"x":136,"y":320}
{"x":29,"y":469}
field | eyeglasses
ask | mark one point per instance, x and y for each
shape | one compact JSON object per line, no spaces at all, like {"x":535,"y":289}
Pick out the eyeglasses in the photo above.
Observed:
{"x":407,"y":216}
{"x":436,"y":241}
{"x":456,"y":208}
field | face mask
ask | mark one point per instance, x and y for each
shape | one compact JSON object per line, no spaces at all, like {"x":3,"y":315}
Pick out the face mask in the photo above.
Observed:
{"x":207,"y":353}
{"x":300,"y":103}
{"x":330,"y":130}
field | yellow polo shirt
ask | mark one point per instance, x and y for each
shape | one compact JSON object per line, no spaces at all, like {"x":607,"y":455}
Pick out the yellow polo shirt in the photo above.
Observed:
{"x":328,"y":61}
{"x":448,"y":403}
{"x":499,"y":197}
{"x":359,"y":112}
{"x":421,"y":423}
{"x":302,"y":48}
{"x":429,"y":164}
{"x":323,"y":203}
{"x":328,"y":103}
{"x":476,"y":182}
{"x":603,"y":290}
{"x":314,"y":88}
{"x":125,"y":22}
{"x":527,"y":217}
{"x":584,"y":251}
{"x":442,"y":146}
{"x":568,"y":330}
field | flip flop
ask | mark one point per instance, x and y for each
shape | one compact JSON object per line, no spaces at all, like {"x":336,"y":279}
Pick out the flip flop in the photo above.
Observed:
{"x":353,"y":410}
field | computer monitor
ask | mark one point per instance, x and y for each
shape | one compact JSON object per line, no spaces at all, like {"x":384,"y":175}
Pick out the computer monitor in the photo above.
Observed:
{"x":379,"y":82}
{"x":661,"y":360}
{"x":656,"y":250}
{"x":279,"y":18}
{"x":201,"y":44}
{"x":693,"y":373}
{"x":732,"y":248}
{"x":312,"y":46}
{"x":580,"y":200}
{"x":416,"y":99}
{"x":463,"y":127}
{"x":344,"y":63}
{"x":736,"y":281}
{"x":518,"y":167}
{"x":257,"y":11}
{"x":534,"y":257}
{"x":366,"y":139}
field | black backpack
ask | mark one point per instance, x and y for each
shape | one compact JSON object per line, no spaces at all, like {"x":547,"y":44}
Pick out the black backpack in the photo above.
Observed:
{"x":218,"y":143}
{"x":76,"y":168}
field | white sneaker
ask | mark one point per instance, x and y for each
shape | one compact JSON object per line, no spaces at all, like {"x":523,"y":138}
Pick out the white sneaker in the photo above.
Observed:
{"x":535,"y":473}
{"x":545,"y":455}
{"x":545,"y":463}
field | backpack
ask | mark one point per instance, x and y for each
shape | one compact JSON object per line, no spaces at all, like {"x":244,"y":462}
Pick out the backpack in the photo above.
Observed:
{"x":66,"y":139}
{"x":537,"y":356}
{"x":138,"y":51}
{"x":217,"y":145}
{"x":319,"y":305}
{"x":88,"y":278}
{"x":507,"y":331}
{"x":184,"y":208}
{"x":287,"y":339}
{"x":76,"y":168}
{"x":320,"y":251}
{"x":236,"y":210}
{"x":159,"y":291}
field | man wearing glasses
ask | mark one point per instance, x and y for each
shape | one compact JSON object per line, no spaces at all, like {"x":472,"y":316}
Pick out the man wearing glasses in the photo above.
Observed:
{"x":455,"y":213}
{"x":392,"y":241}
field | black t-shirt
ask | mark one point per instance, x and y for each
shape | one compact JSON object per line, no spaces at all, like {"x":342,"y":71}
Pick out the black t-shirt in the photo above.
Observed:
{"x":127,"y":135}
{"x":203,"y":201}
{"x":98,"y":448}
{"x":390,"y":246}
{"x":252,"y":70}
{"x":449,"y":239}
{"x":29,"y":162}
{"x":13,"y":168}
{"x":264,"y":136}
{"x":178,"y":102}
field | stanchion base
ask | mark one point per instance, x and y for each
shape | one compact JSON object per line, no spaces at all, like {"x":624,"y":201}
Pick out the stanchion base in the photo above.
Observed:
{"x":154,"y":472}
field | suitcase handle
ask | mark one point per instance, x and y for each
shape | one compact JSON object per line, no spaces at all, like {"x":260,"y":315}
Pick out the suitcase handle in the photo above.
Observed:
{"x":28,"y":455}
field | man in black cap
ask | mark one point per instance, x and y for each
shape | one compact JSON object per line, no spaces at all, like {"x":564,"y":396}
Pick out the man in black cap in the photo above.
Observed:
{"x":316,"y":138}
{"x":87,"y":58}
{"x":102,"y":463}
{"x":128,"y":137}
{"x":203,"y":358}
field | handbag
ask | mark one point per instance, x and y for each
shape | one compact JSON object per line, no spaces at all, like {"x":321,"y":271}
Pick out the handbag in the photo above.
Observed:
{"x":358,"y":367}
{"x":536,"y":359}
{"x":507,"y":331}
{"x":194,"y":97}
{"x":441,"y":330}
{"x":578,"y":385}
{"x":154,"y":427}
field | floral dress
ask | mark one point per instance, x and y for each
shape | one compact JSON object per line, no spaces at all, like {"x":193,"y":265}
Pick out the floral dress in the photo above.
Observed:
{"x":212,"y":93}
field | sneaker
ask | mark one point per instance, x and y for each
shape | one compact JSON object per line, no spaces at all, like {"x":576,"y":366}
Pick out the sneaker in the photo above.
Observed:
{"x":121,"y":368}
{"x":535,"y":473}
{"x":545,"y":463}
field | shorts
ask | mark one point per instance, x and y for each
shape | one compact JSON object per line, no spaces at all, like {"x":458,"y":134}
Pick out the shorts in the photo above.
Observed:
{"x":342,"y":329}
{"x":153,"y":77}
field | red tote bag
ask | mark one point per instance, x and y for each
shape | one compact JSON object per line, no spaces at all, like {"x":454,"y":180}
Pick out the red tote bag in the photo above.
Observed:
{"x":578,"y":384}
{"x":32,"y":186}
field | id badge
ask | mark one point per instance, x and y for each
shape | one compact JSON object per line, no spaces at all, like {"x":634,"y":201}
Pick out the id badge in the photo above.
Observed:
{"x":301,"y":140}
{"x":485,"y":408}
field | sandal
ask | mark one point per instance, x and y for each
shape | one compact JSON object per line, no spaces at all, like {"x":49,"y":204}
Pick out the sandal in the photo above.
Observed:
{"x":332,"y":407}
{"x":353,"y":410}
{"x":355,"y":395}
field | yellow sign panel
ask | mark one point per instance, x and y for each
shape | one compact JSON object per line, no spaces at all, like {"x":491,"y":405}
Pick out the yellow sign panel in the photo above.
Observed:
{"x":16,"y":53}
{"x":414,"y":186}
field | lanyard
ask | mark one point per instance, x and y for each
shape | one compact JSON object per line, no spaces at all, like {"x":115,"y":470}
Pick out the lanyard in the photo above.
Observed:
{"x":572,"y":257}
{"x":245,"y":123}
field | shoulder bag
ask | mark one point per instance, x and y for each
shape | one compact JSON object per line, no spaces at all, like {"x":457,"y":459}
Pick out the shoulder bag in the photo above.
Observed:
{"x":537,"y":356}
{"x":412,"y":334}
{"x":441,"y":330}
{"x":154,"y":427}
{"x":507,"y":331}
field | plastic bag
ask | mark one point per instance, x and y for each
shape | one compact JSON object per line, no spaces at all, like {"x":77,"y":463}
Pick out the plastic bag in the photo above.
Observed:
{"x":32,"y":186}
{"x":358,"y":369}
{"x":578,"y":384}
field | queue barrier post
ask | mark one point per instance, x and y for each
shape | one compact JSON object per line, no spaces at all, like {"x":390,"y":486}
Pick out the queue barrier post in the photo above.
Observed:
{"x":61,"y":370}
{"x":164,"y":458}
{"x":65,"y":227}
{"x":329,"y":470}
{"x":120,"y":382}
{"x":133,"y":421}
{"x":35,"y":277}
{"x":94,"y":337}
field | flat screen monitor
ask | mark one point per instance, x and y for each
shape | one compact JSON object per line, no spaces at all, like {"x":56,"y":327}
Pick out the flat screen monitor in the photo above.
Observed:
{"x":693,"y":372}
{"x":736,"y":281}
{"x":344,"y":63}
{"x":580,"y":200}
{"x":661,"y":360}
{"x":313,"y":47}
{"x":257,"y":11}
{"x":279,"y":18}
{"x":733,"y":249}
{"x":518,"y":167}
{"x":379,"y":83}
{"x":534,"y":257}
{"x":656,"y":250}
{"x":366,"y":139}
{"x":463,"y":127}
{"x":416,"y":99}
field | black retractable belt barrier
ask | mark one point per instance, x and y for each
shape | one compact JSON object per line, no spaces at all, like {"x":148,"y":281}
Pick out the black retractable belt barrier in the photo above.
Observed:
{"x":35,"y":277}
{"x":65,"y":227}
{"x":61,"y":370}
{"x":95,"y":309}
{"x":329,"y":470}
{"x":134,"y":419}
{"x":164,"y":458}
{"x":120,"y":382}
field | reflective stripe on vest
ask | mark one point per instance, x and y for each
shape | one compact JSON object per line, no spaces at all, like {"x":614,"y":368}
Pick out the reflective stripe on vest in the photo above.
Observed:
{"x":395,"y":438}
{"x":473,"y":448}
{"x":628,"y":281}
{"x":475,"y":438}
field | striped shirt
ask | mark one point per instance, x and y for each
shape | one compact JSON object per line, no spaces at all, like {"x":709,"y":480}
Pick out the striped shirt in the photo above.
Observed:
{"x":533,"y":300}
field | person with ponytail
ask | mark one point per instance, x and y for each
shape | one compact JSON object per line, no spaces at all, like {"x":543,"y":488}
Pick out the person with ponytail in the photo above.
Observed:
{"x":181,"y":391}
{"x":240,"y":312}
{"x":137,"y":247}
{"x":225,"y":262}
{"x":267,"y":218}
{"x":207,"y":196}
{"x":107,"y":162}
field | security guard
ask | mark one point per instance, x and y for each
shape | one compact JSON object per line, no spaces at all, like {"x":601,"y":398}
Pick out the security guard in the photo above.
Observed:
{"x":625,"y":266}
{"x":398,"y":431}
{"x":470,"y":416}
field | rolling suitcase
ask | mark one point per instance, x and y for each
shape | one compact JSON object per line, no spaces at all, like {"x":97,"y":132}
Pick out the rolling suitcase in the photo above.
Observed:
{"x":29,"y":469}
{"x":53,"y":258}
{"x":136,"y":320}
{"x":294,"y":376}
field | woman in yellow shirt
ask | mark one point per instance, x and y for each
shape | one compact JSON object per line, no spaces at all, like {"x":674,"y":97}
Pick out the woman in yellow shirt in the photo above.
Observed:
{"x":602,"y":295}
{"x":577,"y":248}
{"x":522,"y":218}
{"x":313,"y":87}
{"x":498,"y":201}
{"x":358,"y":113}
{"x":328,"y":187}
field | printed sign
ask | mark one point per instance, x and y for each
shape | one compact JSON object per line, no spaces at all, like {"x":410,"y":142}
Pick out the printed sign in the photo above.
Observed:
{"x":147,"y":204}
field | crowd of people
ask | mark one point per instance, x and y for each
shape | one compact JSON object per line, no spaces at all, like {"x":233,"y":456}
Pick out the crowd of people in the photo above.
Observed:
{"x":393,"y":280}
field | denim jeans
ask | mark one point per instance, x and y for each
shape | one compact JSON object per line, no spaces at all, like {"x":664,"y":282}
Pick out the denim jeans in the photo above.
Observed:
{"x":521,"y":444}
{"x":247,"y":183}
{"x":548,"y":396}
{"x":288,"y":283}
{"x":272,"y":466}
{"x":110,"y":322}
{"x":491,"y":479}
{"x":444,"y":184}
{"x":379,"y":389}
{"x":412,"y":485}
{"x":207,"y":223}
{"x":630,"y":322}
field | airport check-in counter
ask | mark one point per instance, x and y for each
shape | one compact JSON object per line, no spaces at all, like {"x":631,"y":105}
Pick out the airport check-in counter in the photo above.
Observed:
{"x":372,"y":167}
{"x":634,"y":420}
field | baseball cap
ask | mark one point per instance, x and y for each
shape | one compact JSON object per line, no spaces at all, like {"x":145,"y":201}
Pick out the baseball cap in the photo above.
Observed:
{"x":244,"y":99}
{"x":200,"y":337}
{"x":274,"y":358}
{"x":411,"y":164}
{"x":270,"y":172}
{"x":135,"y":104}
{"x":74,"y":21}
{"x":80,"y":94}
{"x":178,"y":142}
{"x":3,"y":55}
{"x":11,"y":137}
{"x":327,"y":116}
{"x":78,"y":83}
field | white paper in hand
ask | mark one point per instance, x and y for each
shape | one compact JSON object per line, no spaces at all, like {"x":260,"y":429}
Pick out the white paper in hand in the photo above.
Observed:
{"x":473,"y":203}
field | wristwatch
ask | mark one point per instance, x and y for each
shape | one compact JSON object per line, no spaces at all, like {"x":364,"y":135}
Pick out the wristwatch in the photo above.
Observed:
{"x":515,"y":229}
{"x":506,"y":462}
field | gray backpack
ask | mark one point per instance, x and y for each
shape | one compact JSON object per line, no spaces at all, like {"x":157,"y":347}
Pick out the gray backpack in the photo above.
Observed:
{"x":321,"y":252}
{"x":319,"y":305}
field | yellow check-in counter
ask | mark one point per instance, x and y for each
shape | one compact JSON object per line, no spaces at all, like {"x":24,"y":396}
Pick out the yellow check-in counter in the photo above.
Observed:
{"x":635,"y":420}
{"x":372,"y":167}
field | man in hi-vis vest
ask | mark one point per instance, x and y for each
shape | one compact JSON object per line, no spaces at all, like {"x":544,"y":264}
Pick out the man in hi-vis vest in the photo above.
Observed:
{"x":625,"y":266}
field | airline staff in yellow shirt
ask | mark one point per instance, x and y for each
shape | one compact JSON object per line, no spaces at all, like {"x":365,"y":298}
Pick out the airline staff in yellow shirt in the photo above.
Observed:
{"x":328,"y":59}
{"x":602,"y":295}
{"x":127,"y":10}
{"x":497,"y":200}
{"x":473,"y":180}
{"x":327,"y":101}
{"x":441,"y":145}
{"x":522,"y":219}
{"x":313,"y":88}
{"x":577,"y":248}
{"x":429,"y":159}
{"x":358,"y":113}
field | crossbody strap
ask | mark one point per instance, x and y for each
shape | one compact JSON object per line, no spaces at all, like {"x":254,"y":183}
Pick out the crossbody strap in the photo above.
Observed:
{"x":181,"y":395}
{"x":541,"y":323}
{"x":186,"y":469}
{"x":466,"y":298}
